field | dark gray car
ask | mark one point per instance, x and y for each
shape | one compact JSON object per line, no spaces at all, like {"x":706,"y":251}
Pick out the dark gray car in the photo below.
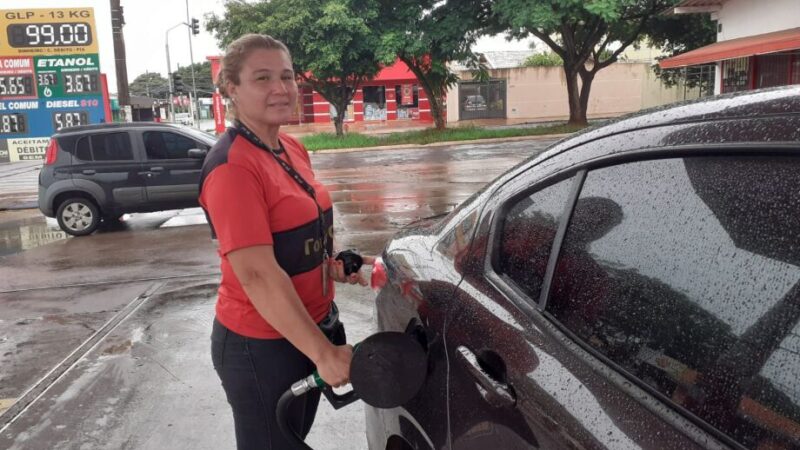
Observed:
{"x":97,"y":173}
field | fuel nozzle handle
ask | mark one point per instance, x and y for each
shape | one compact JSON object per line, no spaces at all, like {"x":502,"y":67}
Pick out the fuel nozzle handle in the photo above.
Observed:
{"x":351,"y":261}
{"x":315,"y":381}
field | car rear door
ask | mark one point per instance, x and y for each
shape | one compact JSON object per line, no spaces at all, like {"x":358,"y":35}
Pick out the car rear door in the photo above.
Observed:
{"x":516,"y":379}
{"x":492,"y":345}
{"x":105,"y":165}
{"x":172,"y":177}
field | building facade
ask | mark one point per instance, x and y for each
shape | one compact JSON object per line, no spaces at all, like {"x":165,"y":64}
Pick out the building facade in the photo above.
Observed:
{"x":758,"y":43}
{"x":393,"y":95}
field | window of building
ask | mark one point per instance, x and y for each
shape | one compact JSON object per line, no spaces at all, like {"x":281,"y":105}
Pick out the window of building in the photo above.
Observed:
{"x":527,"y":235}
{"x":407,"y":97}
{"x":165,"y":145}
{"x":681,"y":272}
{"x":736,"y":75}
{"x":773,"y":70}
{"x":374,"y":102}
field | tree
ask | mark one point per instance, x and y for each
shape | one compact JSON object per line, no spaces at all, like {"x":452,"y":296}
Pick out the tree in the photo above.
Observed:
{"x":202,"y":76}
{"x":588,"y":36}
{"x":428,"y":34}
{"x":676,"y":34}
{"x":150,"y":84}
{"x":333,"y":42}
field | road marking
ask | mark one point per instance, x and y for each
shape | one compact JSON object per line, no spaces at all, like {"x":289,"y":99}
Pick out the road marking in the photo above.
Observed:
{"x":35,"y":392}
{"x":103,"y":283}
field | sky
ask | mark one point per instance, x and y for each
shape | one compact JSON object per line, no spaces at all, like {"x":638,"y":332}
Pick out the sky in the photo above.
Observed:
{"x":146,"y":22}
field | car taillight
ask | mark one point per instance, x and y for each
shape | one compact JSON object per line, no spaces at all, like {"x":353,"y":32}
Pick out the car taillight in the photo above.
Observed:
{"x":52,"y":153}
{"x":379,"y":278}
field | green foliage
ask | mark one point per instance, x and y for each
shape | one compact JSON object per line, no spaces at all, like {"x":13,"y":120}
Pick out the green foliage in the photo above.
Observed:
{"x":679,"y":34}
{"x":428,"y":34}
{"x":154,"y":85}
{"x":323,"y":141}
{"x":149,"y":84}
{"x":549,"y":59}
{"x":333,"y":42}
{"x":582,"y":33}
{"x":202,"y":76}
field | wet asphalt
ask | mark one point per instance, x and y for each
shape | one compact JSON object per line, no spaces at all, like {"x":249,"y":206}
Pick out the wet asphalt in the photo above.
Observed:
{"x":104,"y":339}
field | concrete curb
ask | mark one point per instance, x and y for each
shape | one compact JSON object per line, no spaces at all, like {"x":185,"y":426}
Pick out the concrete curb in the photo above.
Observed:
{"x":443,"y":144}
{"x":18,"y":206}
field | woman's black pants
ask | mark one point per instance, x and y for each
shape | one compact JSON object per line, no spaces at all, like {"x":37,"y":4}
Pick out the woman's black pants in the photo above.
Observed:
{"x":254,"y":374}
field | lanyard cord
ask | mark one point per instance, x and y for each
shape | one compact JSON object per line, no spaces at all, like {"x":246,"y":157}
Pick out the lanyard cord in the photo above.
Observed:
{"x":255,"y":140}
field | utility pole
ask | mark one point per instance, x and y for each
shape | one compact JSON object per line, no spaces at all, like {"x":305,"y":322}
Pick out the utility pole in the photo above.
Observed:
{"x":195,"y":102}
{"x":117,"y":21}
{"x":169,"y":73}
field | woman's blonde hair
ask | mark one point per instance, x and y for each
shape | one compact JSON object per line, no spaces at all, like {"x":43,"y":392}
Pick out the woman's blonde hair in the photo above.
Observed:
{"x":235,"y":56}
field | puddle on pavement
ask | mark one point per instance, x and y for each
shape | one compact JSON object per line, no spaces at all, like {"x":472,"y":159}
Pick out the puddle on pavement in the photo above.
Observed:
{"x":27,"y":229}
{"x":24,"y":230}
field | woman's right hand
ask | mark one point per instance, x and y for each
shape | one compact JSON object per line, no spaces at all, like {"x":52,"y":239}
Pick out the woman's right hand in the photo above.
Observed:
{"x":334,"y":365}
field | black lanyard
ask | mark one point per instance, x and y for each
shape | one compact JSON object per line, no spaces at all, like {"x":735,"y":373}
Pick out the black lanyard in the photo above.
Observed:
{"x":255,"y":140}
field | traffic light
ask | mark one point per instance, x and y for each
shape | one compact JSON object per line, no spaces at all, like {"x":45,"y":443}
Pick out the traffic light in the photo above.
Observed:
{"x":177,"y":83}
{"x":195,"y":26}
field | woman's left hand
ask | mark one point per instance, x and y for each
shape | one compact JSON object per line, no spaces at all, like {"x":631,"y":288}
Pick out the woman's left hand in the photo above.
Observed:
{"x":336,"y":271}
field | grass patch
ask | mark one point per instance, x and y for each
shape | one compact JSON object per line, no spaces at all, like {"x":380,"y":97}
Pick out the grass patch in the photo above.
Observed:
{"x":324,"y":141}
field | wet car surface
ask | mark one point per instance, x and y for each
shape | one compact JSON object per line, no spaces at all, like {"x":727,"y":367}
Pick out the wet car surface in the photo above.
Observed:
{"x":636,"y":286}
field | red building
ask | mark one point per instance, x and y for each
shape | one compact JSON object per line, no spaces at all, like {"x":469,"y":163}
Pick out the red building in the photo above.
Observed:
{"x":392,"y":95}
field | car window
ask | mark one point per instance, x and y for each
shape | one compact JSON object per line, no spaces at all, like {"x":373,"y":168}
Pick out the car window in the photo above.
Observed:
{"x":527,"y":234}
{"x":83,"y":149}
{"x":166,"y":145}
{"x":686,"y":273}
{"x":110,"y":147}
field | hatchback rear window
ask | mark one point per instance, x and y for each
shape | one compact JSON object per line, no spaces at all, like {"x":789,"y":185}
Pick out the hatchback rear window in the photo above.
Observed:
{"x":104,"y":147}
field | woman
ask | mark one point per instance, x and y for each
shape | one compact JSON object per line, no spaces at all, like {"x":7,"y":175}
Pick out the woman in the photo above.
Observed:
{"x":273,"y":222}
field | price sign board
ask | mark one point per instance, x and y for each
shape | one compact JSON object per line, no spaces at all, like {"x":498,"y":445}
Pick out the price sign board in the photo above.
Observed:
{"x":67,"y":76}
{"x":47,"y":31}
{"x":49,"y":77}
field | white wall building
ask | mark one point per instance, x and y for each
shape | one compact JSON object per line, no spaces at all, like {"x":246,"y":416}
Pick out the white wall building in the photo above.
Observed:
{"x":758,"y":43}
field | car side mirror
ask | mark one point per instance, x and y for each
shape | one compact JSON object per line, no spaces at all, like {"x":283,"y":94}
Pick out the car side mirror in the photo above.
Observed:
{"x":197,"y":153}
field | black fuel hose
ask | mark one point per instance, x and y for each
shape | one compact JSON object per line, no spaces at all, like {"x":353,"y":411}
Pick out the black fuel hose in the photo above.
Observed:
{"x":283,"y":421}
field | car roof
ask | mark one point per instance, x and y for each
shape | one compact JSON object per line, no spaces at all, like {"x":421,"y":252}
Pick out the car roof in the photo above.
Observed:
{"x":748,"y":104}
{"x":115,"y":126}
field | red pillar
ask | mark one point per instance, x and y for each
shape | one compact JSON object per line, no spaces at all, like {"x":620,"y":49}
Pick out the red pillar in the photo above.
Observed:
{"x":391,"y":102}
{"x":106,"y":99}
{"x":424,"y":107}
{"x":320,"y":108}
{"x":217,"y":104}
{"x":358,"y":106}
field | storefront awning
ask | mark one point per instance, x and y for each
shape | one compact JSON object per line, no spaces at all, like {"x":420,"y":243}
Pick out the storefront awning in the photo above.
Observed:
{"x":777,"y":41}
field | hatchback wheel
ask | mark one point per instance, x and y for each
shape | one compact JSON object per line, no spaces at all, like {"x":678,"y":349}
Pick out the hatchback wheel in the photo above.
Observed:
{"x":78,"y":216}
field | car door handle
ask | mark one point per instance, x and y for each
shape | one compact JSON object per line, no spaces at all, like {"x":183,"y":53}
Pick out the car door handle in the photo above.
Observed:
{"x":89,"y":172}
{"x":495,"y":392}
{"x":156,"y":169}
{"x":146,"y":174}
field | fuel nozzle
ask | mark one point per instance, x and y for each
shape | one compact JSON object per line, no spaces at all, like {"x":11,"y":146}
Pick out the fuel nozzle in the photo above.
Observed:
{"x":351,"y":261}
